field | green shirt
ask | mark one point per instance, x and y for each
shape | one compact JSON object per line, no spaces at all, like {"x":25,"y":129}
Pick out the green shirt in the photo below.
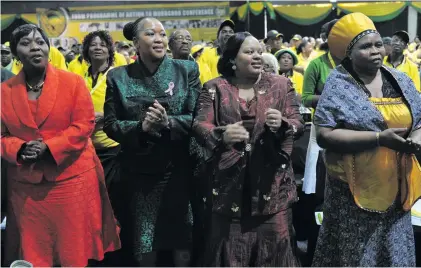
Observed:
{"x":314,"y":78}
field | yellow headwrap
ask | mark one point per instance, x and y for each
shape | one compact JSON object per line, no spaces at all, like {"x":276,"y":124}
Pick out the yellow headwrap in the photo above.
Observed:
{"x":347,"y":31}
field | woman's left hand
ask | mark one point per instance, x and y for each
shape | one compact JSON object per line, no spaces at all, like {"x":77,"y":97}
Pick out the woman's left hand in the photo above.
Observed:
{"x":273,"y":119}
{"x":157,"y":115}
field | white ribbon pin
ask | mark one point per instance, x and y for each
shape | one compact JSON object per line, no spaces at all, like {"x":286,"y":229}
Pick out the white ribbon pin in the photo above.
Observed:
{"x":170,"y":89}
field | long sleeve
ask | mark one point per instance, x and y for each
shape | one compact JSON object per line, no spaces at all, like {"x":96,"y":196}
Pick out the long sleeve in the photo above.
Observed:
{"x":75,"y":137}
{"x":204,"y":129}
{"x":292,"y":125}
{"x":10,"y":145}
{"x":181,"y":124}
{"x":126,"y":132}
{"x":309,"y":85}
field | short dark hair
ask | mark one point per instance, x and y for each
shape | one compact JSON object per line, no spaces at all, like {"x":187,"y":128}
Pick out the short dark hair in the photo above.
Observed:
{"x":103,"y":35}
{"x":22,"y":31}
{"x":387,"y":40}
{"x":131,"y":28}
{"x":230,"y":53}
{"x":301,"y":47}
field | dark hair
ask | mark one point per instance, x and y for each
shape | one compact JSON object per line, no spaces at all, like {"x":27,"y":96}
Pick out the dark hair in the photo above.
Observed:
{"x":387,"y":40}
{"x":328,"y":26}
{"x":22,"y":31}
{"x":230,"y":53}
{"x":194,"y":55}
{"x":301,"y":47}
{"x":103,"y":35}
{"x":130,"y":29}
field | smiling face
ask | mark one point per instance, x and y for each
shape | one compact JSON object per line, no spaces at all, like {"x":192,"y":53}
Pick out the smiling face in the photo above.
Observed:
{"x":32,"y":50}
{"x":368,"y":53}
{"x":98,"y":50}
{"x":249,"y":58}
{"x":398,"y":45}
{"x":225,"y":33}
{"x":181,"y":44}
{"x":151,"y":40}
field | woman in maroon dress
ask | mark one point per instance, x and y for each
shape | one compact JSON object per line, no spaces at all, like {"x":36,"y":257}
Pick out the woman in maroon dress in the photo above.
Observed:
{"x":58,"y":211}
{"x":247,"y":120}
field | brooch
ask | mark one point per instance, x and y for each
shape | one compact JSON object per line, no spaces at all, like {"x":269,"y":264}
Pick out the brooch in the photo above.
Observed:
{"x":212,"y":92}
{"x":170,"y":89}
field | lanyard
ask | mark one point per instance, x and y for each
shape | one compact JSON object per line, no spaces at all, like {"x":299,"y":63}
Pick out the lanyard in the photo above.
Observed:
{"x":332,"y":62}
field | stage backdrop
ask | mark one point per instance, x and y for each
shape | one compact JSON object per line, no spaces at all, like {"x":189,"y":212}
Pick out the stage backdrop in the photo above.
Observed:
{"x":66,"y":26}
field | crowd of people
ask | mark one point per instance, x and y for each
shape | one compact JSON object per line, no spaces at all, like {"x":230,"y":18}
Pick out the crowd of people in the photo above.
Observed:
{"x":157,"y":152}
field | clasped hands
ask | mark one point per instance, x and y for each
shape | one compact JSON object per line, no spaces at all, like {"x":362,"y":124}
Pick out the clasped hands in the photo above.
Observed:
{"x":393,"y":138}
{"x":33,"y":151}
{"x":235,"y":133}
{"x":156,"y":118}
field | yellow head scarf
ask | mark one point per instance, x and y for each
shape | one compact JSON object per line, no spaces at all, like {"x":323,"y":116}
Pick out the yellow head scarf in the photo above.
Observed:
{"x":347,"y":31}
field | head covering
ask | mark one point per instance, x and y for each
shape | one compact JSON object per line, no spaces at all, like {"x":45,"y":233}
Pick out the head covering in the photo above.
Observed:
{"x":196,"y":48}
{"x":347,"y":31}
{"x":123,"y":44}
{"x":229,"y":23}
{"x":272,"y":34}
{"x":297,"y":37}
{"x":403,"y":35}
{"x":279,"y":53}
{"x":4,"y":47}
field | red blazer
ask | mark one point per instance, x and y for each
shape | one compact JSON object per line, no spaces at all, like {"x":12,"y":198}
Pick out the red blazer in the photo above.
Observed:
{"x":64,"y":120}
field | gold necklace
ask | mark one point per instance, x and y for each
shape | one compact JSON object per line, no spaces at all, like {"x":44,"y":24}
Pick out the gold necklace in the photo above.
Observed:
{"x":36,"y":88}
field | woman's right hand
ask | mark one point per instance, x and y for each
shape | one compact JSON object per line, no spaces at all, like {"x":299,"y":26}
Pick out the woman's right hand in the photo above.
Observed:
{"x":235,"y":133}
{"x":392,"y":138}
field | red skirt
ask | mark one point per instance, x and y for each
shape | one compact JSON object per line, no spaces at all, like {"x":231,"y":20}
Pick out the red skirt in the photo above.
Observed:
{"x":62,"y":223}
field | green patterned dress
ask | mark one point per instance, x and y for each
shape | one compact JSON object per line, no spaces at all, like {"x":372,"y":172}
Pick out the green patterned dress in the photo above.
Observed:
{"x":155,"y":180}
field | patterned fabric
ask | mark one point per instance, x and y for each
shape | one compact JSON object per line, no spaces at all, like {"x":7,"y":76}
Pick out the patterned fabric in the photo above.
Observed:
{"x":272,"y":185}
{"x":350,"y":236}
{"x":155,"y":169}
{"x":344,"y":103}
{"x":261,"y":241}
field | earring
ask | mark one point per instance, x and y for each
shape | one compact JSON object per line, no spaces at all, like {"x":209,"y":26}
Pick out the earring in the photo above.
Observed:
{"x":234,"y":67}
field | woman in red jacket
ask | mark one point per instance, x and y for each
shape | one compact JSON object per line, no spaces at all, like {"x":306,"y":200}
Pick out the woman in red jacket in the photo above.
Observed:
{"x":59,"y":212}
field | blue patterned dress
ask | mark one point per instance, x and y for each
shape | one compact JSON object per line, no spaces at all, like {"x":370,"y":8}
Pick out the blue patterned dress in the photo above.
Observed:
{"x":350,"y":235}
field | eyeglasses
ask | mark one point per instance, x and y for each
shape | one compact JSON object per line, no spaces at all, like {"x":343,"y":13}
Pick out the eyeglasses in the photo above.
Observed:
{"x":181,"y":38}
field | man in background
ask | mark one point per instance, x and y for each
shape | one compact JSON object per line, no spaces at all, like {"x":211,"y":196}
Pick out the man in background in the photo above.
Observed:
{"x":6,"y":58}
{"x":399,"y":61}
{"x":273,"y":41}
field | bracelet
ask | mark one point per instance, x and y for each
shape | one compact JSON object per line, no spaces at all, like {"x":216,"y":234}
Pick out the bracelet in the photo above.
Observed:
{"x":378,"y":139}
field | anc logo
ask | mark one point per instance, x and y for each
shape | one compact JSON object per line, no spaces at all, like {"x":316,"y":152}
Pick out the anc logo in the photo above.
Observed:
{"x":53,"y":21}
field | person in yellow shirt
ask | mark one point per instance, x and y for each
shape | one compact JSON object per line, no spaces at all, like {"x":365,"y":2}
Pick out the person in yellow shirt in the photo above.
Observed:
{"x":98,"y":53}
{"x":295,"y":42}
{"x":205,"y":73}
{"x":274,"y":41}
{"x":211,"y":55}
{"x":55,"y":57}
{"x":305,"y":55}
{"x":80,"y":66}
{"x":287,"y":60}
{"x":399,"y":61}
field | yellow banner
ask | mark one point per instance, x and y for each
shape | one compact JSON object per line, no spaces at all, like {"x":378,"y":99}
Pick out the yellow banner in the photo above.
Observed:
{"x":201,"y":19}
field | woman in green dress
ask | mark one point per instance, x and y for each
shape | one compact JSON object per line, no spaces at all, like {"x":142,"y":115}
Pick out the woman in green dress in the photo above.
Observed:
{"x":148,"y":110}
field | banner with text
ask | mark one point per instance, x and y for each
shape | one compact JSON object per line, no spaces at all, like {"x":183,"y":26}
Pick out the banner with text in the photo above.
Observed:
{"x":202,"y":19}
